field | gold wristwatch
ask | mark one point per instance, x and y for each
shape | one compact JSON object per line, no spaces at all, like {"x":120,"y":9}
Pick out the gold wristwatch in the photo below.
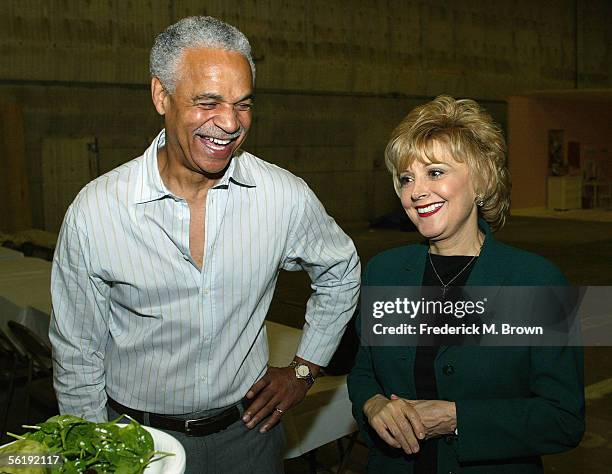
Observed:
{"x":302,"y":372}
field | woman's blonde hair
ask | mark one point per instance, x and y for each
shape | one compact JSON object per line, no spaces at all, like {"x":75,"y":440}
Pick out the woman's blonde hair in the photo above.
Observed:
{"x":471,"y":137}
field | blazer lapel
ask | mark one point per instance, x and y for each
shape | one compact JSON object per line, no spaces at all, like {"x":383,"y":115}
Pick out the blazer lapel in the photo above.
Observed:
{"x":415,"y":268}
{"x":488,"y":269}
{"x":412,"y":275}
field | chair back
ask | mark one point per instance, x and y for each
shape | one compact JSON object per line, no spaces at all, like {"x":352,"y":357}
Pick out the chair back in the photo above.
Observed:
{"x":7,"y":348}
{"x":33,"y":346}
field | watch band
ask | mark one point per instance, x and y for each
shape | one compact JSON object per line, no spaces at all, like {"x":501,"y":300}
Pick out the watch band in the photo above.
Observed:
{"x":302,"y":372}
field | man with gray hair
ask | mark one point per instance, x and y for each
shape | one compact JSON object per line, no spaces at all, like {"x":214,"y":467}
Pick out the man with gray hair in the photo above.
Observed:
{"x":165,"y":268}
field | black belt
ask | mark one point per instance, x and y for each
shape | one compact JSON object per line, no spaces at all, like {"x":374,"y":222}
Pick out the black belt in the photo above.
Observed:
{"x":198,"y":427}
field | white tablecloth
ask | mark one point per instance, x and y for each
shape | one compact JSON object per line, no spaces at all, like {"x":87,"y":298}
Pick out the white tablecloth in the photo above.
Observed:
{"x":25,"y":293}
{"x":9,"y":254}
{"x":324,"y":416}
{"x":26,"y":282}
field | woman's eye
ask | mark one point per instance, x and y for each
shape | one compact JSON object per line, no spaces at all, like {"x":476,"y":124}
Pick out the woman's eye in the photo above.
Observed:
{"x":436,"y":173}
{"x":404,"y":180}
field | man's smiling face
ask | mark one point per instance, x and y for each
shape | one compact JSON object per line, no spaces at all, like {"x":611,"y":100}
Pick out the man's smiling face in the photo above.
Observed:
{"x":208,"y":115}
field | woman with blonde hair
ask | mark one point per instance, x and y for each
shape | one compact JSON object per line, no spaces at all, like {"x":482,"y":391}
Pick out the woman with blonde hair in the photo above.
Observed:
{"x":467,"y":409}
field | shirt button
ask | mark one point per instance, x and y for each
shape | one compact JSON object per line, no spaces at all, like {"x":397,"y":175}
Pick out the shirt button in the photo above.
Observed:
{"x":448,"y":369}
{"x":449,"y":439}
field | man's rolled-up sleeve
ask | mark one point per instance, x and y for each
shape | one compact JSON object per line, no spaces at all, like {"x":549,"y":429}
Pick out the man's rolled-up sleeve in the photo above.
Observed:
{"x":79,"y":324}
{"x":318,"y":246}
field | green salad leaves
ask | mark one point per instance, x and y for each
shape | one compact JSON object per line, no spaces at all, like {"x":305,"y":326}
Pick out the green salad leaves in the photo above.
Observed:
{"x":88,"y":448}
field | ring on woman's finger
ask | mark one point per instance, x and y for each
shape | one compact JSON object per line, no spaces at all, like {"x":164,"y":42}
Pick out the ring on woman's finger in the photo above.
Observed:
{"x":279,"y":410}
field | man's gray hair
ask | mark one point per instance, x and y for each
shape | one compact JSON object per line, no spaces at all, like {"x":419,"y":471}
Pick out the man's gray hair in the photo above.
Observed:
{"x":194,"y":32}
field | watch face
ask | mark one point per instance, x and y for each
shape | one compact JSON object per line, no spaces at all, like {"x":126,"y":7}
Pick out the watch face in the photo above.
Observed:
{"x":303,"y":370}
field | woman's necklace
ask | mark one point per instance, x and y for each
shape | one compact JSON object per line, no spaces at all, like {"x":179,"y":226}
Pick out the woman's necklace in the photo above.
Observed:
{"x":446,"y":285}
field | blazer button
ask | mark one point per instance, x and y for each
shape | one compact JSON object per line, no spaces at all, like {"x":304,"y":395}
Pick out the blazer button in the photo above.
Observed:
{"x":448,"y":369}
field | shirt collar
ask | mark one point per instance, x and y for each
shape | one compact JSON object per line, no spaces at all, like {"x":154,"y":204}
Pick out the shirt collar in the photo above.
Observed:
{"x":237,"y":173}
{"x":150,"y":185}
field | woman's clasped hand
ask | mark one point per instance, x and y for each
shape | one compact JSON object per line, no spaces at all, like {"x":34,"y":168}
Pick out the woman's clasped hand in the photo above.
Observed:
{"x":402,"y":423}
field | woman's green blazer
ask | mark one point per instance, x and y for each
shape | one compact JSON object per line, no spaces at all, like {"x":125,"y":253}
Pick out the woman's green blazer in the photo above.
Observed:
{"x":514,"y":404}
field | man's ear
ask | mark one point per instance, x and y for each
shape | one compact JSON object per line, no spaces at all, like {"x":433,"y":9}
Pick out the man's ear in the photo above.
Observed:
{"x":159,"y":95}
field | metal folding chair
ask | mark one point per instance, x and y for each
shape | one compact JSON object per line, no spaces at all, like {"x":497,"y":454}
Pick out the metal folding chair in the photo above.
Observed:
{"x":40,"y":365}
{"x":13,"y":366}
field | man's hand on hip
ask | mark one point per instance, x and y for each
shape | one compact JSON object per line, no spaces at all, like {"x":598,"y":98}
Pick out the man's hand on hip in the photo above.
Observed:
{"x":275,"y":393}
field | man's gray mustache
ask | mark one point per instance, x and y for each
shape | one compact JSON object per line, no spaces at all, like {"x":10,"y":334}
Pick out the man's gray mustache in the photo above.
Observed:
{"x":219,"y":134}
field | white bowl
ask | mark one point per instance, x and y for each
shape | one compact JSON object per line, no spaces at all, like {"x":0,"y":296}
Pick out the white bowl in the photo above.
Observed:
{"x":162,"y":442}
{"x":168,"y":443}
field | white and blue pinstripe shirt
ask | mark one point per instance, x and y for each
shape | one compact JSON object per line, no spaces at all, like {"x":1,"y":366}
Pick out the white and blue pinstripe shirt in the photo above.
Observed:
{"x":134,"y":317}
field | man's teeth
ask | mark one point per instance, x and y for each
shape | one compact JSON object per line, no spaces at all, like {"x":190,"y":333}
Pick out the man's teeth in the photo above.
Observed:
{"x":431,"y":208}
{"x":217,"y":141}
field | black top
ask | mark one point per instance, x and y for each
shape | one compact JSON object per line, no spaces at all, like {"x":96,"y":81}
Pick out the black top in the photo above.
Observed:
{"x":424,"y":376}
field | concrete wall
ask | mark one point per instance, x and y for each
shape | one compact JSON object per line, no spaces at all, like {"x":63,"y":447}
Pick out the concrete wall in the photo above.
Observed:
{"x":334,"y":77}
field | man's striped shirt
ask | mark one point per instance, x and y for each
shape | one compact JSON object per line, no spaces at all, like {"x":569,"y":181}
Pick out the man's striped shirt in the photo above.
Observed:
{"x":133,"y":315}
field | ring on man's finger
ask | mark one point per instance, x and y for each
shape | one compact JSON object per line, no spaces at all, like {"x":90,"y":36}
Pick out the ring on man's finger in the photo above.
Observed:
{"x":279,"y":410}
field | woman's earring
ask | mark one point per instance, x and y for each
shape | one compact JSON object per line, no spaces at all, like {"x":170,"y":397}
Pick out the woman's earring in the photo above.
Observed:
{"x":479,"y":201}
